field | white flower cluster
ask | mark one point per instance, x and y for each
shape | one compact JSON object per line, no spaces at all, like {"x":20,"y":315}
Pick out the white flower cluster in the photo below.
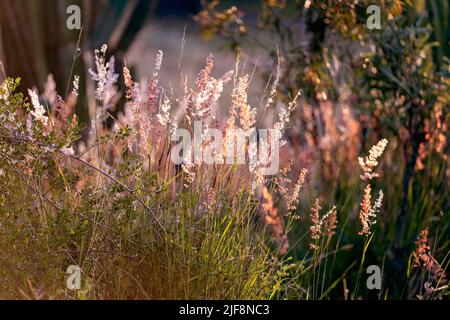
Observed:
{"x":105,"y":77}
{"x":370,"y":162}
{"x":164,"y":114}
{"x":39,"y":111}
{"x":76,"y":85}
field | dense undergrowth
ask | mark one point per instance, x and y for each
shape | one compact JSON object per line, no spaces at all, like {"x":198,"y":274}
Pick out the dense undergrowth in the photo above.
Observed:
{"x":141,"y":227}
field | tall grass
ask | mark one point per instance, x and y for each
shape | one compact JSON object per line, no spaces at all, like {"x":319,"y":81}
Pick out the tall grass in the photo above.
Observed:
{"x":141,"y":227}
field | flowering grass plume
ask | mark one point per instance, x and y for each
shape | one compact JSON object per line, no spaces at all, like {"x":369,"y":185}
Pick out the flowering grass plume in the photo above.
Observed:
{"x":38,"y":111}
{"x":316,"y":225}
{"x":76,"y":85}
{"x":369,"y":163}
{"x":425,"y":260}
{"x":368,"y":212}
{"x":436,"y":281}
{"x":104,"y":76}
{"x":292,"y":197}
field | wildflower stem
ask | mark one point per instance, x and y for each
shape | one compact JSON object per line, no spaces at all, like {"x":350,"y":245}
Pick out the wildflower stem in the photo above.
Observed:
{"x":73,"y":62}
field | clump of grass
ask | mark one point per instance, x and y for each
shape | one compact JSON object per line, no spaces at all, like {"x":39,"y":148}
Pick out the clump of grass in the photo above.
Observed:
{"x":141,"y":227}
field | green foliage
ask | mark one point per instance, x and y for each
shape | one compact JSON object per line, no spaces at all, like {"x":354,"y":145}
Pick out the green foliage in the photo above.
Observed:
{"x":56,"y":212}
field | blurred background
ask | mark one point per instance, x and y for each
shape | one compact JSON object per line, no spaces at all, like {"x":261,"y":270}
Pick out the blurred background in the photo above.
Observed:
{"x":35,"y":42}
